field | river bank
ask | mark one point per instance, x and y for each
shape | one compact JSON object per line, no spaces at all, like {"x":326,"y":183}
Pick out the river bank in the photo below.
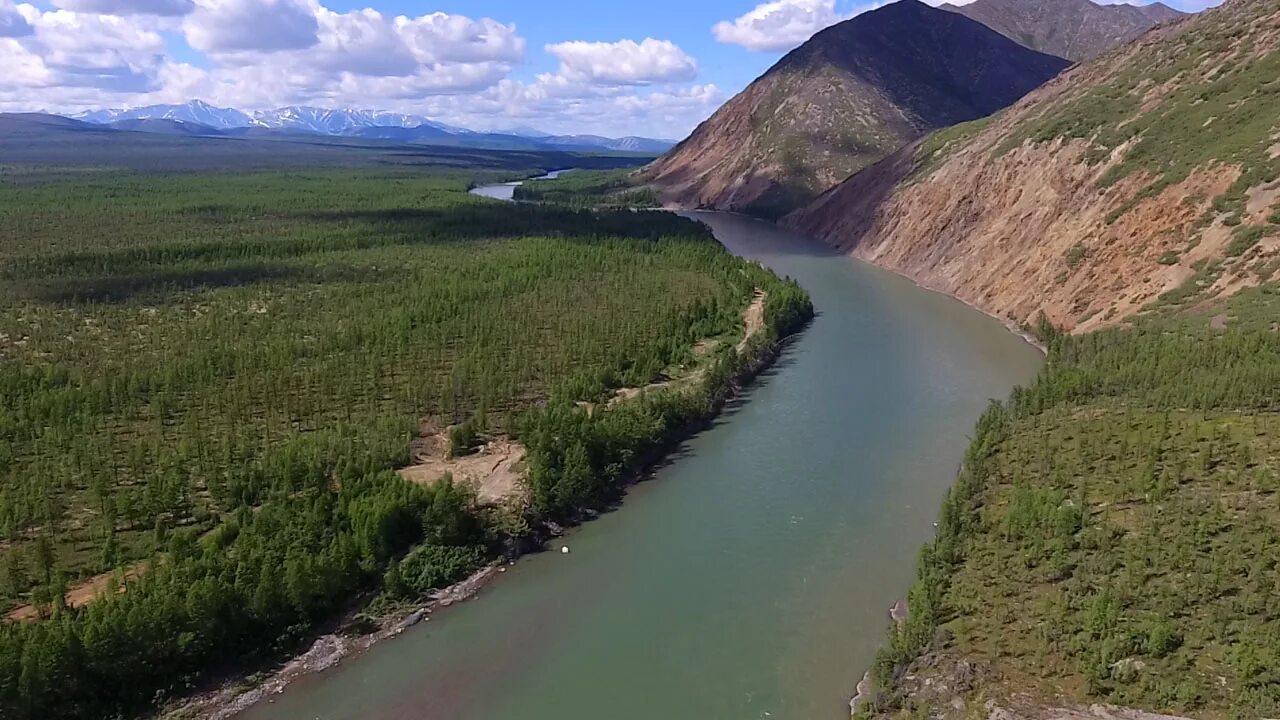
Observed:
{"x":758,"y":348}
{"x":737,"y":582}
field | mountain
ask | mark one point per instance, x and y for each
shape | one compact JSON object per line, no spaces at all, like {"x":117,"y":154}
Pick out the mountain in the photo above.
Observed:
{"x":853,"y":93}
{"x":1074,"y":29}
{"x":191,"y":117}
{"x":166,"y":127}
{"x":38,"y":144}
{"x":1148,"y":177}
{"x":322,"y":121}
{"x":626,"y":144}
{"x":197,"y":112}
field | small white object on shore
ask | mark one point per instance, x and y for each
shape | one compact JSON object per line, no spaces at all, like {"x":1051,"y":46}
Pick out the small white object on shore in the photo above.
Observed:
{"x":564,"y":549}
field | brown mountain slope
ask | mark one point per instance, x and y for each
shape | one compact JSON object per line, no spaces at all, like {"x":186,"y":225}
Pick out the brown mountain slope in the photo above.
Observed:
{"x":851,"y":94}
{"x":1074,"y":29}
{"x":1151,"y":174}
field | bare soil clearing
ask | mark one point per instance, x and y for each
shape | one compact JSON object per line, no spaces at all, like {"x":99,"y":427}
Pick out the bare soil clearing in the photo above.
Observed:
{"x":82,"y":594}
{"x":495,"y":472}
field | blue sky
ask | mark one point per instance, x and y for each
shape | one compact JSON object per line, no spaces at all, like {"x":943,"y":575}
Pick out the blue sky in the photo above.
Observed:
{"x":652,"y":68}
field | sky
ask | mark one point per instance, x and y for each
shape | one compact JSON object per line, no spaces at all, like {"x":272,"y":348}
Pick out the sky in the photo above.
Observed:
{"x":653,"y":68}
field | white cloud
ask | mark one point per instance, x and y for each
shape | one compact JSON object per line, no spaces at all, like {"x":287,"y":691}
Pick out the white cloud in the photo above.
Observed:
{"x":128,"y":7}
{"x":260,"y":54}
{"x":12,"y":23}
{"x":455,"y":38}
{"x":67,"y":50}
{"x":229,"y":26}
{"x":625,"y":62}
{"x":783,"y":24}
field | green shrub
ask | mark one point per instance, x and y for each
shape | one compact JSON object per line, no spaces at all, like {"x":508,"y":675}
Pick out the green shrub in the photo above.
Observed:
{"x":1076,"y":255}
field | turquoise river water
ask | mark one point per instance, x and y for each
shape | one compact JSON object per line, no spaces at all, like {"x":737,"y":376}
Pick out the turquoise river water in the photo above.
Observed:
{"x":751,"y":577}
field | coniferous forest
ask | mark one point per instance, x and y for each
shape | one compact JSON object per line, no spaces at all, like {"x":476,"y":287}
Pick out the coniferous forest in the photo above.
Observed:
{"x":209,"y":380}
{"x":1115,"y":530}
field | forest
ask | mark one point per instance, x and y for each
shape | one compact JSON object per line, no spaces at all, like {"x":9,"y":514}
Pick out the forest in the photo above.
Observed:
{"x":1115,"y":532}
{"x":591,"y":188}
{"x":208,"y":381}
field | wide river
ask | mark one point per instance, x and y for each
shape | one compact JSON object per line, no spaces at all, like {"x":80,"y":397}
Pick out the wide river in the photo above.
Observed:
{"x":751,"y":577}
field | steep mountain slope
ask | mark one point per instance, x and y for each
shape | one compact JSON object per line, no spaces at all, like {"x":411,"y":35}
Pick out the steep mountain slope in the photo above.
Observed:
{"x":1151,"y":173}
{"x":1074,"y":29}
{"x":851,"y":94}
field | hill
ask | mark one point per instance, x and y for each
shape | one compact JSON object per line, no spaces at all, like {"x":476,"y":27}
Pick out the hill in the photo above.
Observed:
{"x":301,"y":120}
{"x":35,"y":144}
{"x":1147,"y":176}
{"x":850,"y":95}
{"x":1109,"y":548}
{"x":1074,"y":29}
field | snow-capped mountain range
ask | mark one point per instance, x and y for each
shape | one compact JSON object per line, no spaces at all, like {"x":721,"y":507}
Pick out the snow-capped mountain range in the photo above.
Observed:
{"x":197,"y":116}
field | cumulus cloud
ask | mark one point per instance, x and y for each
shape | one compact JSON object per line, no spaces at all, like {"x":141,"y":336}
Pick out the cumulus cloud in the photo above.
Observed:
{"x":229,"y":26}
{"x":781,"y":24}
{"x":258,"y":54}
{"x":439,"y":37}
{"x":66,"y":50}
{"x":12,"y":23}
{"x":128,"y":7}
{"x":625,"y":62}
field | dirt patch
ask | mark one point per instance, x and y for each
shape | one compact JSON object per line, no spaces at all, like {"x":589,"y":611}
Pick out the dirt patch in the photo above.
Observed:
{"x":1260,"y":201}
{"x":1219,"y":322}
{"x":82,"y":594}
{"x":753,"y":318}
{"x":495,"y":472}
{"x":1274,"y":151}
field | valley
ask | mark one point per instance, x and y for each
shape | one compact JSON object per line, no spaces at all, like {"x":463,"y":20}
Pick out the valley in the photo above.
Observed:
{"x":279,"y":388}
{"x":223,"y":386}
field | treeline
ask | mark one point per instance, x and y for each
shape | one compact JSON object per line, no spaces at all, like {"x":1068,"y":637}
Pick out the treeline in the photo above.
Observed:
{"x":577,"y":459}
{"x":590,"y":189}
{"x":217,"y":375}
{"x":254,"y":586}
{"x":1114,"y":525}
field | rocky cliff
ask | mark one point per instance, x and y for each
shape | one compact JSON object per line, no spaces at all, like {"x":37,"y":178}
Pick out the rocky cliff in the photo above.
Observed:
{"x":853,"y":93}
{"x":1150,"y":176}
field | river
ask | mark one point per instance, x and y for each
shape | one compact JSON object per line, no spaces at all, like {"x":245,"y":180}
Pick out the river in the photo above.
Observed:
{"x":751,"y":577}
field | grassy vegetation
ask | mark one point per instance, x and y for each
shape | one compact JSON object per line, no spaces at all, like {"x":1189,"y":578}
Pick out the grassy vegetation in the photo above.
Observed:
{"x":590,"y":188}
{"x":1114,"y":533}
{"x":936,"y":146}
{"x":219,"y":373}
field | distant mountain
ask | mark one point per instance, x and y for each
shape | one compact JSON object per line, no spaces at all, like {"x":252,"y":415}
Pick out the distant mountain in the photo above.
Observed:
{"x":1074,"y":29}
{"x":626,"y":144}
{"x":163,"y":126}
{"x":197,"y":117}
{"x":852,"y":94}
{"x":36,"y":143}
{"x":195,"y":111}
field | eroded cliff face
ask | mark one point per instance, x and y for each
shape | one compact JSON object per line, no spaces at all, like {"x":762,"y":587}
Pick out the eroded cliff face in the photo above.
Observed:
{"x":1150,"y":172}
